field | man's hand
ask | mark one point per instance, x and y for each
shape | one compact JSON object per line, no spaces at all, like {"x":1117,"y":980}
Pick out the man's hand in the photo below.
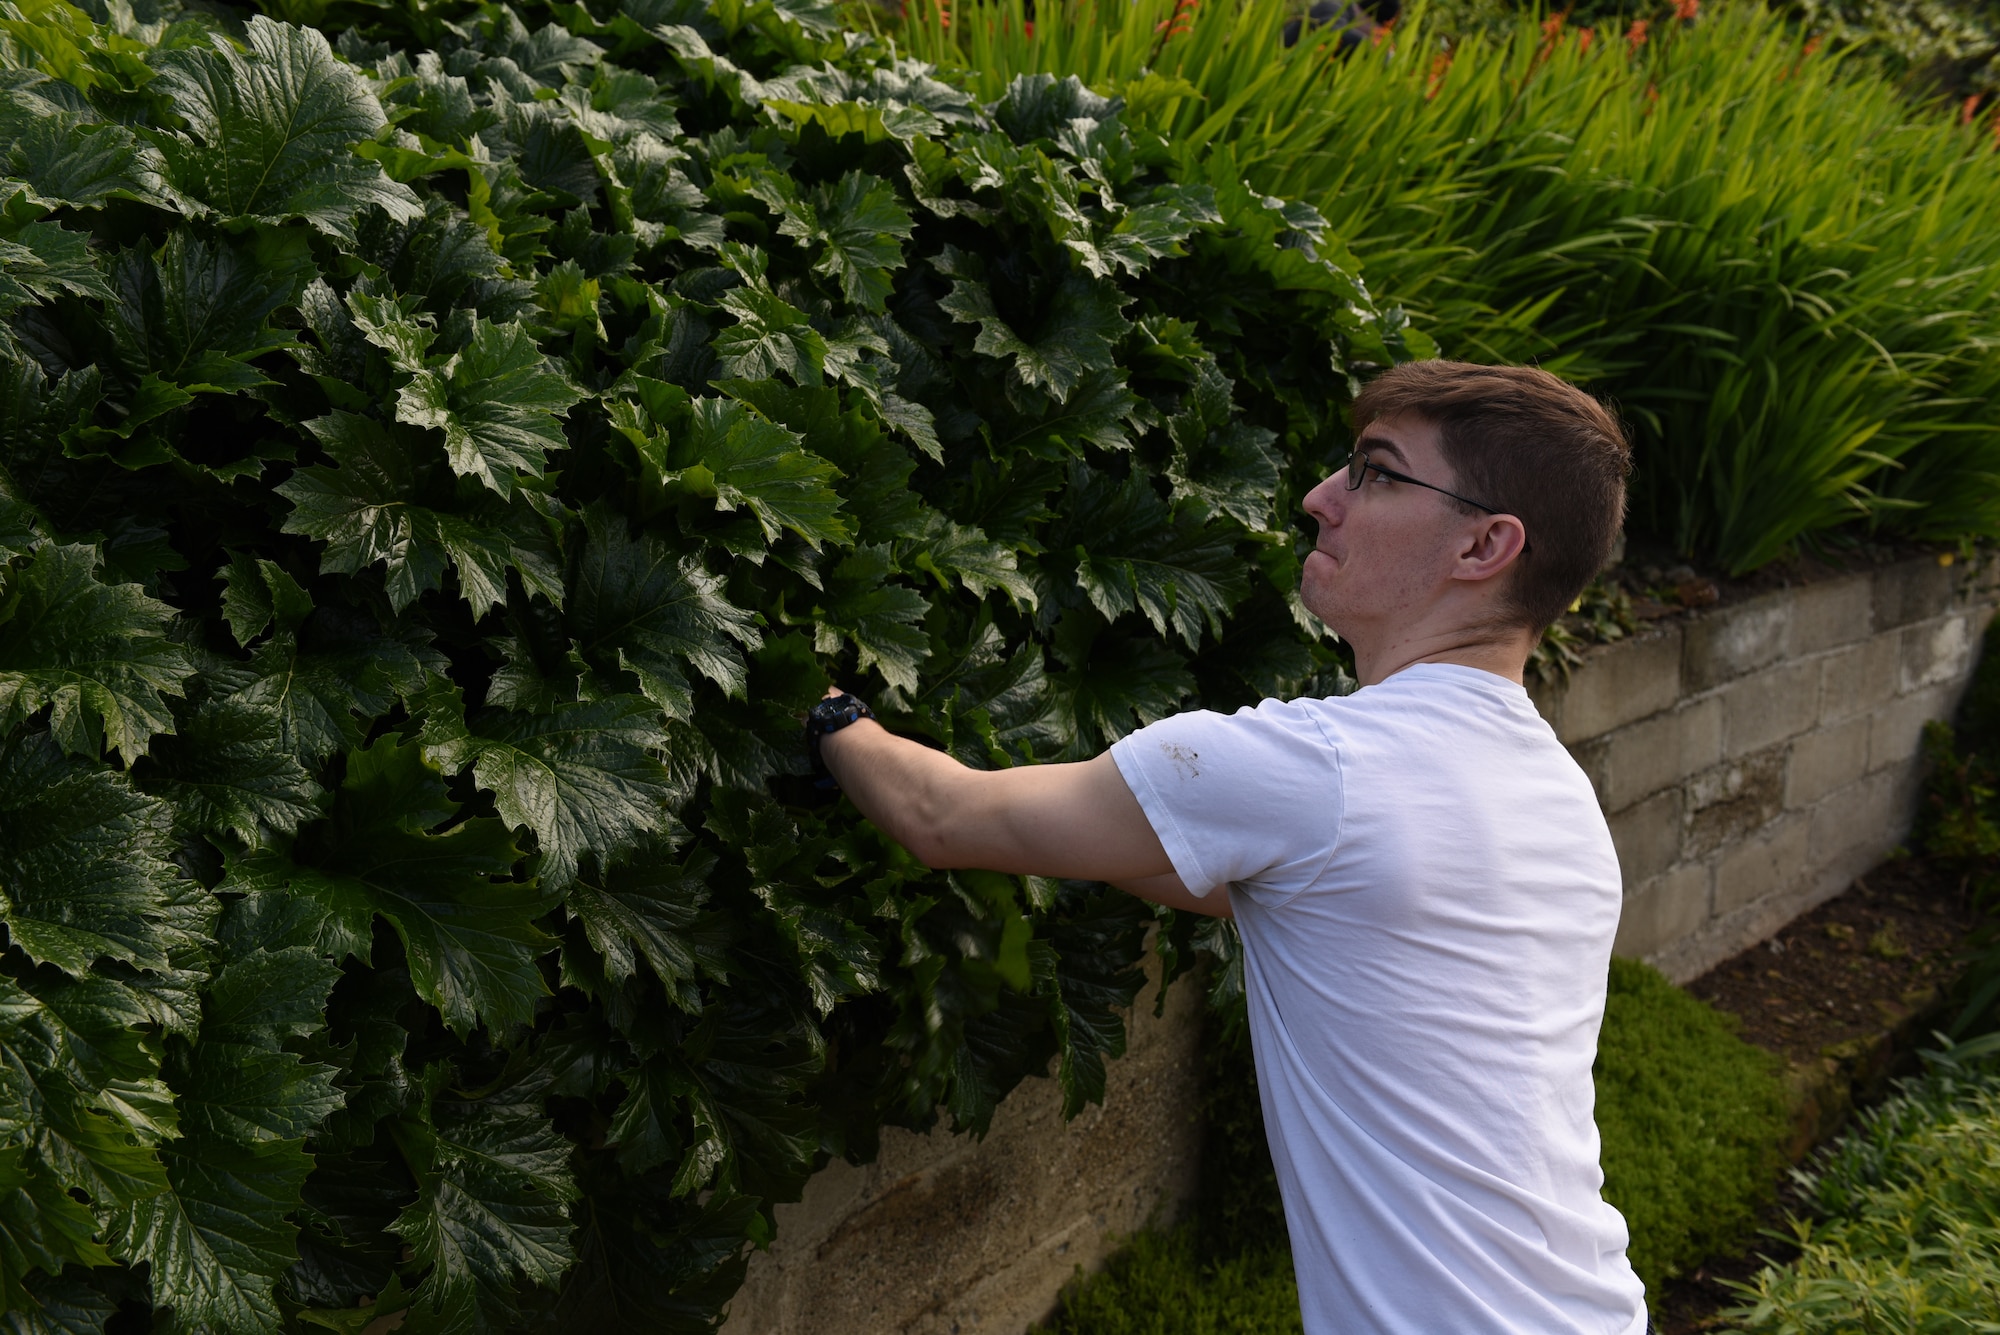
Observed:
{"x":1077,"y":821}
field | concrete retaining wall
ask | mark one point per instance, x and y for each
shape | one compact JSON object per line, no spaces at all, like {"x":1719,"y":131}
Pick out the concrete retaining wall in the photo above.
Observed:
{"x":944,"y":1235}
{"x":1752,"y":759}
{"x":1755,"y":759}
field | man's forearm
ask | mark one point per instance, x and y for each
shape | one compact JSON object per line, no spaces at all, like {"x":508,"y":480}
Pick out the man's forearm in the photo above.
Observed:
{"x":904,"y":787}
{"x":1069,"y":820}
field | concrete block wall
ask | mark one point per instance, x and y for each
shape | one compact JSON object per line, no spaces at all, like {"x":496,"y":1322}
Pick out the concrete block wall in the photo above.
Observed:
{"x":945,"y":1235}
{"x":1752,"y":760}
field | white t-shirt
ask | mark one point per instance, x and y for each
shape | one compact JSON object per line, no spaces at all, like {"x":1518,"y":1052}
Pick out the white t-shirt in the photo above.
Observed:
{"x":1427,"y":895}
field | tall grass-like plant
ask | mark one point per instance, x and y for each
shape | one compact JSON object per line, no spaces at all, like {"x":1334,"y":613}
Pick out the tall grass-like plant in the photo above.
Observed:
{"x":1783,"y":272}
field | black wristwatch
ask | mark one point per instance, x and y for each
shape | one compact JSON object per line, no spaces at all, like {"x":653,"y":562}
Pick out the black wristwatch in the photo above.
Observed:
{"x":831,"y":715}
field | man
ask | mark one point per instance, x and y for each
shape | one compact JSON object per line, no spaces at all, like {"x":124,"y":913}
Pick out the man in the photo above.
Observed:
{"x":1425,"y":886}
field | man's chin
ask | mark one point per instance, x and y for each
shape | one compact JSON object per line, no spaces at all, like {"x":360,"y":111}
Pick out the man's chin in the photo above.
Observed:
{"x":1320,"y":602}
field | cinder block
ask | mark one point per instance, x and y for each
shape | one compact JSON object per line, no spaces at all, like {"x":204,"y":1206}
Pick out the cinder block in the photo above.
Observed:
{"x":1731,"y":641}
{"x":1546,"y":694}
{"x":1763,"y":865}
{"x":1594,"y":759}
{"x":1647,"y":756}
{"x":1896,"y":730}
{"x":1870,"y":814}
{"x":1913,"y":590}
{"x":1825,"y":759}
{"x":1663,"y":911}
{"x":1937,"y":651}
{"x":1857,"y":680}
{"x":1648,"y":836}
{"x":1620,"y":684}
{"x":1761,"y":710}
{"x":1733,"y":801}
{"x":1981,"y":581}
{"x":1832,"y":613}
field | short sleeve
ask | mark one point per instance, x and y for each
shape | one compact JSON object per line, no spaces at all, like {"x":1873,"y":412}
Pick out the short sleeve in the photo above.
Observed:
{"x":1252,"y":796}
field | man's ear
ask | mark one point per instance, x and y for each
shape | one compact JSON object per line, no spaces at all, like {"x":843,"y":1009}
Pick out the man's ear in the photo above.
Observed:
{"x":1491,"y":548}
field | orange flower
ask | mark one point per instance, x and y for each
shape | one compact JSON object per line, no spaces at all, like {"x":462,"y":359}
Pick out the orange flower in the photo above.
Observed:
{"x":1552,"y":26}
{"x":1968,"y":109}
{"x":1439,"y":65}
{"x":1635,"y":36}
{"x":1685,"y":10}
{"x":1812,"y":45}
{"x":1584,"y":37}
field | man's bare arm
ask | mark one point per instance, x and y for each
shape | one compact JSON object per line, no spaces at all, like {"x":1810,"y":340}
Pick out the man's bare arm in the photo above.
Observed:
{"x":1079,"y":821}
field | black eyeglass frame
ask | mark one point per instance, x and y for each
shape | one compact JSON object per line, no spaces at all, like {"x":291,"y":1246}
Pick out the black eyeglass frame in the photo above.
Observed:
{"x":1356,"y":475}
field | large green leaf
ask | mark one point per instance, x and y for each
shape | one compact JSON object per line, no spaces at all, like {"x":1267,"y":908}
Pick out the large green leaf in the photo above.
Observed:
{"x":769,"y":335}
{"x":41,"y":1228}
{"x":228,"y":770}
{"x":1134,"y":555}
{"x":719,"y":448}
{"x":1055,"y":347}
{"x":222,"y":1236}
{"x":492,"y":1206}
{"x":95,"y":655}
{"x":883,"y":621}
{"x":369,"y":509}
{"x":42,"y":261}
{"x":637,"y":606}
{"x":857,"y":222}
{"x":467,"y":929}
{"x":584,"y":778}
{"x":271,"y":130}
{"x":643,"y":910}
{"x":239,"y":1084}
{"x":83,"y":860}
{"x":496,"y":401}
{"x":68,"y":157}
{"x":196,"y":315}
{"x":219,"y":1240}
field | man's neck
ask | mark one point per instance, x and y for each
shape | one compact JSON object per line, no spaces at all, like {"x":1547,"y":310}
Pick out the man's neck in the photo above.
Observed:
{"x":1501,"y":651}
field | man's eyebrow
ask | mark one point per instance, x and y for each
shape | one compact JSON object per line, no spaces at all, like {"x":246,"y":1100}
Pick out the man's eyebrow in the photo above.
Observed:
{"x":1382,"y":445}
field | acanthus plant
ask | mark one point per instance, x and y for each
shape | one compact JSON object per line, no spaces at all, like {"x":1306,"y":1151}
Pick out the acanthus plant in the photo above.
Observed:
{"x":437,"y":469}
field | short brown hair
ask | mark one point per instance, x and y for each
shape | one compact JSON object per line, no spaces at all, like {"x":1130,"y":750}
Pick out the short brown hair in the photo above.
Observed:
{"x":1530,"y":445}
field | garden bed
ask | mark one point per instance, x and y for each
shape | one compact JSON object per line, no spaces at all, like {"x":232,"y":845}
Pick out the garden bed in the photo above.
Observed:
{"x":1845,"y":994}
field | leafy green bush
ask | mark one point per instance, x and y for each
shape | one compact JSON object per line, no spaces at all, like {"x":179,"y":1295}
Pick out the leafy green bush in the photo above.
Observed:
{"x":1163,"y":1283}
{"x":434,"y":476}
{"x":1959,"y":826}
{"x":1783,"y":272}
{"x":1692,"y":1120}
{"x":1906,"y":1233}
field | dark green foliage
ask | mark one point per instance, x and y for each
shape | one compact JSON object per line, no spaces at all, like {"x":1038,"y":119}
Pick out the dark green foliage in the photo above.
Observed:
{"x":1959,"y":825}
{"x":1692,"y":1121}
{"x":1159,"y":1284}
{"x":437,"y":469}
{"x":1904,"y":1229}
{"x":1239,"y":1208}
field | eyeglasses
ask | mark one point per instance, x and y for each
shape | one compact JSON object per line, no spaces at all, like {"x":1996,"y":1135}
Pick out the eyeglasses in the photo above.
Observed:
{"x":1359,"y":466}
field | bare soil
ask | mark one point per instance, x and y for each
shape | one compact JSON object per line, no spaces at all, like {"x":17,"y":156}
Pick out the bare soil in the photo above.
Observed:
{"x":1850,"y":970}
